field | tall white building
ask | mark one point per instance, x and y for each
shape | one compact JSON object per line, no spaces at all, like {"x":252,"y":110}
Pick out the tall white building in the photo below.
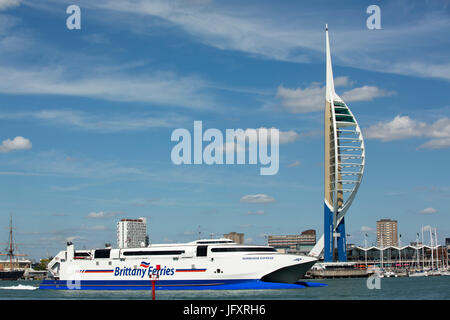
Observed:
{"x":132,"y":233}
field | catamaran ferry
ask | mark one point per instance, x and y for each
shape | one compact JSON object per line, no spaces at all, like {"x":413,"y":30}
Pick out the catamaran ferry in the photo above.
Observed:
{"x":203,"y":264}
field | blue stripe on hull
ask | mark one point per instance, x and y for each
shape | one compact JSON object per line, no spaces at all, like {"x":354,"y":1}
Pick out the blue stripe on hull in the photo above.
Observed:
{"x":172,"y":285}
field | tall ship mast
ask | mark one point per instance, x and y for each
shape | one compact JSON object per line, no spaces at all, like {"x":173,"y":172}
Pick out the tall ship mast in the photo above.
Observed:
{"x":11,"y":271}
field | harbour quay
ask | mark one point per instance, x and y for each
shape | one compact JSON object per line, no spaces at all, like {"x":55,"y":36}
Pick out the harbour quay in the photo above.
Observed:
{"x":326,"y":270}
{"x":391,"y":261}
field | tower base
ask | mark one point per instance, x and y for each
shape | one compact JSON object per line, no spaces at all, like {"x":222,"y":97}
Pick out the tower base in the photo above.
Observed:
{"x":341,"y":242}
{"x":329,"y":242}
{"x":328,"y":245}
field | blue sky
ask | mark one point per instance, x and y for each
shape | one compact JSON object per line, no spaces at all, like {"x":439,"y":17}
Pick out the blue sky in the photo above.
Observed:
{"x":86,"y":116}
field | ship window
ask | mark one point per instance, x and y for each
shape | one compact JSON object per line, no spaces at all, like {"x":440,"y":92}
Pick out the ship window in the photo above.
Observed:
{"x":55,"y":267}
{"x":81,"y":255}
{"x":202,"y":251}
{"x":250,"y":249}
{"x":153,"y":253}
{"x":102,"y":253}
{"x":217,"y":241}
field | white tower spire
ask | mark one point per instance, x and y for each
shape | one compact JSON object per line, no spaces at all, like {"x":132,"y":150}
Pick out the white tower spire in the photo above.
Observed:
{"x":329,"y":77}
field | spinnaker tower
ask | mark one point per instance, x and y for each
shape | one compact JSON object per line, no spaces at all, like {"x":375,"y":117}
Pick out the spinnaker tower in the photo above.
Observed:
{"x":344,"y":167}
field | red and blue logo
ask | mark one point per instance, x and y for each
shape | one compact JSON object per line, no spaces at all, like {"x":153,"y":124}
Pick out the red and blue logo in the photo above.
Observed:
{"x":145,"y":264}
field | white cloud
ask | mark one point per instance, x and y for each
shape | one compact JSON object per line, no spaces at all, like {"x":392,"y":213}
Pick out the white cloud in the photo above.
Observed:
{"x":94,"y":228}
{"x":96,"y":215}
{"x":423,"y":69}
{"x":436,"y":144}
{"x":18,"y":173}
{"x":97,"y":228}
{"x":102,"y":214}
{"x":403,"y":127}
{"x":342,"y":81}
{"x":300,"y":100}
{"x":365,"y":93}
{"x":217,"y":28}
{"x":96,"y":122}
{"x":73,"y":238}
{"x":18,"y":143}
{"x":257,"y":198}
{"x":96,"y":38}
{"x":366,"y":229}
{"x":72,"y":187}
{"x":6,"y":4}
{"x":257,"y":212}
{"x":164,"y":88}
{"x":289,"y":34}
{"x":294,"y":164}
{"x":428,"y":211}
{"x":279,"y":34}
{"x":312,"y":98}
{"x":284,"y":138}
{"x":53,"y":163}
{"x":288,"y":136}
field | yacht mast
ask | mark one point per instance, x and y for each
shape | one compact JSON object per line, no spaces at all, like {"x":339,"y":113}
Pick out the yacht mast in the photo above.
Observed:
{"x":437,"y":248}
{"x":417,"y":250}
{"x":423,"y":252}
{"x":432,"y":249}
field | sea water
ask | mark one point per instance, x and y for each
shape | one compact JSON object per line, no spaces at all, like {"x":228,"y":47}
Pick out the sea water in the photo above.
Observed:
{"x":417,"y":288}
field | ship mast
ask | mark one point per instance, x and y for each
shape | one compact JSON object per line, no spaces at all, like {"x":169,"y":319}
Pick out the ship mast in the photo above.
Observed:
{"x":11,"y":246}
{"x":11,"y":249}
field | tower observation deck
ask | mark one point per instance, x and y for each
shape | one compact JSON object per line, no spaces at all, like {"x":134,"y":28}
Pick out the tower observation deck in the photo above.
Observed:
{"x":344,"y":167}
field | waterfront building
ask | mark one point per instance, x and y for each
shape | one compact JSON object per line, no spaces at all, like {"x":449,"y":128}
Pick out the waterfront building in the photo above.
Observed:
{"x":294,"y":243}
{"x":236,"y":237}
{"x":408,"y":256}
{"x":132,"y":233}
{"x":447,"y":244}
{"x":387,"y":234}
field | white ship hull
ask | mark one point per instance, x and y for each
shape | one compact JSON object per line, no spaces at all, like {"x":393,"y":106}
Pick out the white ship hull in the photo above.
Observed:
{"x":196,"y":265}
